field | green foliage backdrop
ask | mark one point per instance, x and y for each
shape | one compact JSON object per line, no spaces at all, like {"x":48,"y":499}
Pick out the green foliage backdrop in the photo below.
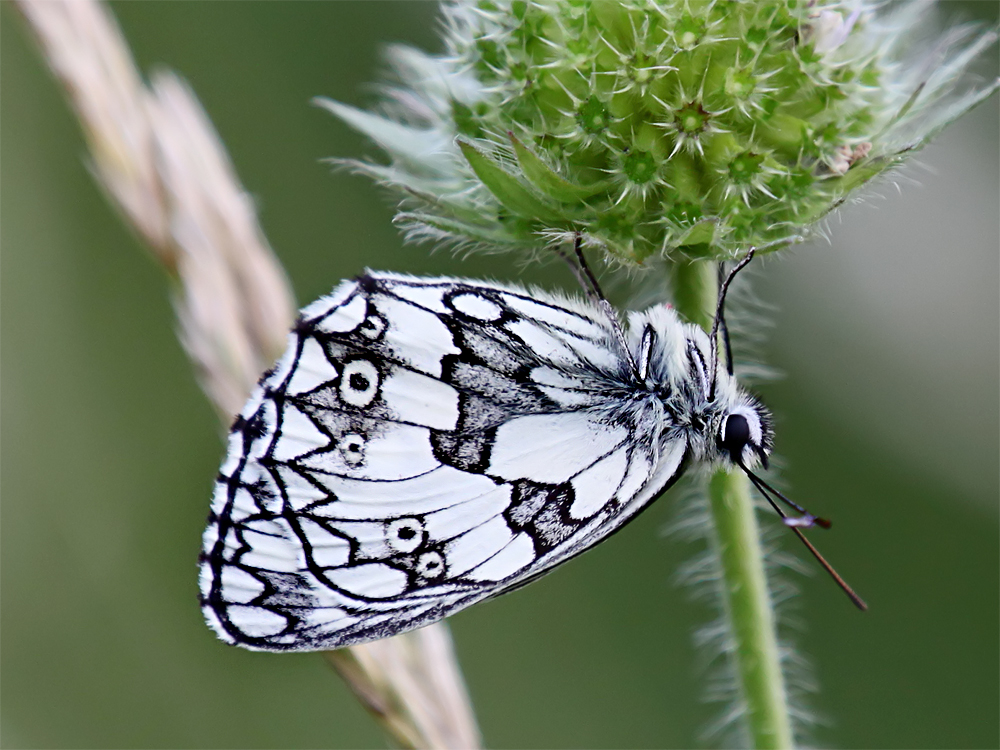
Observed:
{"x":887,"y":417}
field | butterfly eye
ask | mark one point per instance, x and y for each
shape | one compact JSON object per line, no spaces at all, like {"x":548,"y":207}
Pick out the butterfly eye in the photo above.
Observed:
{"x":735,"y":436}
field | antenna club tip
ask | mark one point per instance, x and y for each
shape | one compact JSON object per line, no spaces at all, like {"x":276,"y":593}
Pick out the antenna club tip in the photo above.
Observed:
{"x":806,"y":521}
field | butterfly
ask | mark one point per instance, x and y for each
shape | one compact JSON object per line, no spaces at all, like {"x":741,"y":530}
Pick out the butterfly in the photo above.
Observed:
{"x":427,"y":443}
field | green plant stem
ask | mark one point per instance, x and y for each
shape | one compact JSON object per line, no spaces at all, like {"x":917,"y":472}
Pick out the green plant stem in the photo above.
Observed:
{"x":746,"y":600}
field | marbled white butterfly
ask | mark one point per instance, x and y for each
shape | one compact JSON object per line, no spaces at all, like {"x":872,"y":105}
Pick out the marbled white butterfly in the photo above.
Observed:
{"x":425,"y":444}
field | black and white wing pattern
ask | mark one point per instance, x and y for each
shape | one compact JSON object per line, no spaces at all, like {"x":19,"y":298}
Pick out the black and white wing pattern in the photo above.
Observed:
{"x":423,"y":444}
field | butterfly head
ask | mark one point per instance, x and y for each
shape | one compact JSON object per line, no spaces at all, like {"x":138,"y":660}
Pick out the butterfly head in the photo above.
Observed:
{"x":744,"y":435}
{"x":737,"y":427}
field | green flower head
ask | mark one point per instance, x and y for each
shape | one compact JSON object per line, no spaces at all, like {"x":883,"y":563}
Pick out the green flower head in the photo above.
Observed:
{"x":681,"y":128}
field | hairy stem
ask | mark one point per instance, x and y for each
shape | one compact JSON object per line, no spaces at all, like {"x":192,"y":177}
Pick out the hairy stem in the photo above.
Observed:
{"x":746,"y":602}
{"x":751,"y":621}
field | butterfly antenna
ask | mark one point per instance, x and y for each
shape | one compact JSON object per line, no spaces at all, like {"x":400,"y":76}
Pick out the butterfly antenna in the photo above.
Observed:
{"x":808,"y":520}
{"x":857,"y":600}
{"x":720,"y":321}
{"x":585,"y":277}
{"x":723,"y":328}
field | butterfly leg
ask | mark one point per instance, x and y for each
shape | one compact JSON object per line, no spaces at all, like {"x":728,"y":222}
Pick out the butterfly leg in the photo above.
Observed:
{"x":588,"y":281}
{"x":577,"y":263}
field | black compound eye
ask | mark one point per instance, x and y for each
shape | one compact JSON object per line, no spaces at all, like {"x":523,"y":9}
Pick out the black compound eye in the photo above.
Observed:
{"x":735,"y":436}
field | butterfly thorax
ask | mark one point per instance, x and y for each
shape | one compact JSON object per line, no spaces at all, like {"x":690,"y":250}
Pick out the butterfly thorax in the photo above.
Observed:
{"x":677,"y":373}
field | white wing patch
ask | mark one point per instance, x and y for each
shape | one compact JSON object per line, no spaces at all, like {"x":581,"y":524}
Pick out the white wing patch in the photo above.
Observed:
{"x":594,"y":485}
{"x":515,"y":556}
{"x":369,"y":580}
{"x":546,"y":345}
{"x":558,"y":317}
{"x":416,"y":335}
{"x":313,"y":370}
{"x":422,"y":445}
{"x":299,"y":435}
{"x":345,"y":317}
{"x":478,"y":307}
{"x":422,"y":400}
{"x":552,"y":448}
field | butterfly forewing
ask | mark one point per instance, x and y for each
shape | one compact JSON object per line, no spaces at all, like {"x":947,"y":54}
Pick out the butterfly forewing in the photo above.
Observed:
{"x":422,"y":445}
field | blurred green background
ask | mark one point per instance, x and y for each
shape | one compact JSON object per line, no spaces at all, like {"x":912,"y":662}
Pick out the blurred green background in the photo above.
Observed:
{"x":887,"y":418}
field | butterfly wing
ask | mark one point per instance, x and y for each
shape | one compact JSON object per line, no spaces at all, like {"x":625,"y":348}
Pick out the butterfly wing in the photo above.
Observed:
{"x":423,"y":444}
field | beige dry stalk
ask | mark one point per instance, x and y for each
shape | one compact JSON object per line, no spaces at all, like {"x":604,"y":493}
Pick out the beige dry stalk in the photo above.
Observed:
{"x":161,"y":162}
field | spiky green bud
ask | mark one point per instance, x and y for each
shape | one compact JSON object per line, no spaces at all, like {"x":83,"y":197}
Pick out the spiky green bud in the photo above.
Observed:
{"x":675,"y":127}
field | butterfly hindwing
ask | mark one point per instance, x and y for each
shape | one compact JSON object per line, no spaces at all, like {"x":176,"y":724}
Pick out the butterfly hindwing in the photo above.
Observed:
{"x":423,"y":444}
